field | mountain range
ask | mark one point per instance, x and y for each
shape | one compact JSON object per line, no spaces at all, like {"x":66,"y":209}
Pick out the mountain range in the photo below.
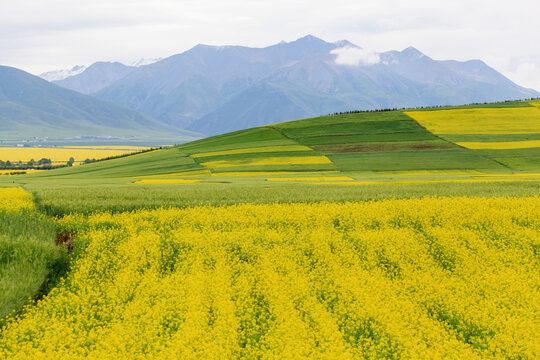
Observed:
{"x":32,"y":107}
{"x":217,"y":89}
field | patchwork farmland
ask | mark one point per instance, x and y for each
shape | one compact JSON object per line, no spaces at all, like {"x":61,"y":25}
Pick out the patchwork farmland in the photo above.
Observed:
{"x":432,"y":142}
{"x":372,"y":235}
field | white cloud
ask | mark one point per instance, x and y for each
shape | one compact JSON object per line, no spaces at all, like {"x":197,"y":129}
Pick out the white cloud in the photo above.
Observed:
{"x":354,"y":56}
{"x":38,"y":35}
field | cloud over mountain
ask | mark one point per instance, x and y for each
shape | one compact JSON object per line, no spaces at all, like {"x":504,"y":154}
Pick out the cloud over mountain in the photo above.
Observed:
{"x":355,"y":56}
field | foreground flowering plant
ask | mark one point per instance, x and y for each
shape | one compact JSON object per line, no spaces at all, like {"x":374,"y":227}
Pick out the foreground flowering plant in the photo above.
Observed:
{"x":427,"y":278}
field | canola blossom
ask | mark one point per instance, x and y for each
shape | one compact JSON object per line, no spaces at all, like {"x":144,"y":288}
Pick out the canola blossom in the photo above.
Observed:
{"x":501,"y":144}
{"x":480,"y":179}
{"x":519,"y":175}
{"x":253,"y":150}
{"x":429,"y":172}
{"x":277,"y":160}
{"x":522,"y":120}
{"x":266,"y":173}
{"x":432,"y":278}
{"x":308,"y":178}
{"x":167,"y":181}
{"x":126,"y":148}
{"x":15,"y":199}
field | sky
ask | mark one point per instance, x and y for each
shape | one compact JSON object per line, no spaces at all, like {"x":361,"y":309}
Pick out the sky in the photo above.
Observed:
{"x":43,"y":35}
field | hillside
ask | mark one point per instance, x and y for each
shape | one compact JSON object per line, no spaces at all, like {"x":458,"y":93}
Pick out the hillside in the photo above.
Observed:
{"x":218,"y":89}
{"x":32,"y":107}
{"x":490,"y":141}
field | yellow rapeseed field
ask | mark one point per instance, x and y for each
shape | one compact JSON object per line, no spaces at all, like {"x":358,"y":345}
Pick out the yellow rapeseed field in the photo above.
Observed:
{"x":432,"y":278}
{"x":488,"y":178}
{"x":518,"y":175}
{"x":281,"y":160}
{"x":522,"y":120}
{"x":15,"y":199}
{"x":107,"y":147}
{"x":501,"y":144}
{"x":428,"y":172}
{"x":307,"y":178}
{"x":262,"y":149}
{"x":167,"y":181}
{"x":266,"y":173}
{"x":59,"y":155}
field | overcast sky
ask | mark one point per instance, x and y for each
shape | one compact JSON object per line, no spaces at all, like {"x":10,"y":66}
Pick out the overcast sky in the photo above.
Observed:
{"x":43,"y":35}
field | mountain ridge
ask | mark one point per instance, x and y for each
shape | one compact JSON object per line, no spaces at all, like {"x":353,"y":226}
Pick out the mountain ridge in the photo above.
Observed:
{"x":197,"y":89}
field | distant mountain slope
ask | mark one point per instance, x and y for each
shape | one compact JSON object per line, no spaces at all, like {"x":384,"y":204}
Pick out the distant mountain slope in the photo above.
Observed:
{"x":57,"y":75}
{"x":33,"y":107}
{"x":96,"y":77}
{"x":216,"y":89}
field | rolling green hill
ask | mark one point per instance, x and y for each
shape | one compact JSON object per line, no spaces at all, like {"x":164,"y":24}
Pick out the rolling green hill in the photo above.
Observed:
{"x":365,"y":143}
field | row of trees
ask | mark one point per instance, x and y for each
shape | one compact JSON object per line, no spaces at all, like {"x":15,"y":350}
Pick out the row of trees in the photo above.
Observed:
{"x":425,"y":107}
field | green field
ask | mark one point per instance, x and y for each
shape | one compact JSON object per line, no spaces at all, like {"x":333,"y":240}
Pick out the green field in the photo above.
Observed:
{"x":30,"y":262}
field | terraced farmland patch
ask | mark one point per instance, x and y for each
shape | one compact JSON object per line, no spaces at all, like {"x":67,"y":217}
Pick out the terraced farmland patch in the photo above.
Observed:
{"x":501,"y":144}
{"x":384,"y":146}
{"x":522,"y":120}
{"x":268,"y":160}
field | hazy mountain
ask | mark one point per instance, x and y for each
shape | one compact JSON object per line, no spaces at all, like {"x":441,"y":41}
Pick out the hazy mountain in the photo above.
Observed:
{"x":56,"y":75}
{"x":33,"y":107}
{"x":144,"y":61}
{"x":217,"y":89}
{"x":183,"y":88}
{"x":96,"y":77}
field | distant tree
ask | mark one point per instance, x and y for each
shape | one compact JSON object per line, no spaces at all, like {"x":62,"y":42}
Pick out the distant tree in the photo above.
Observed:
{"x":8,"y":164}
{"x":44,"y":161}
{"x":70,"y":161}
{"x":31,"y":163}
